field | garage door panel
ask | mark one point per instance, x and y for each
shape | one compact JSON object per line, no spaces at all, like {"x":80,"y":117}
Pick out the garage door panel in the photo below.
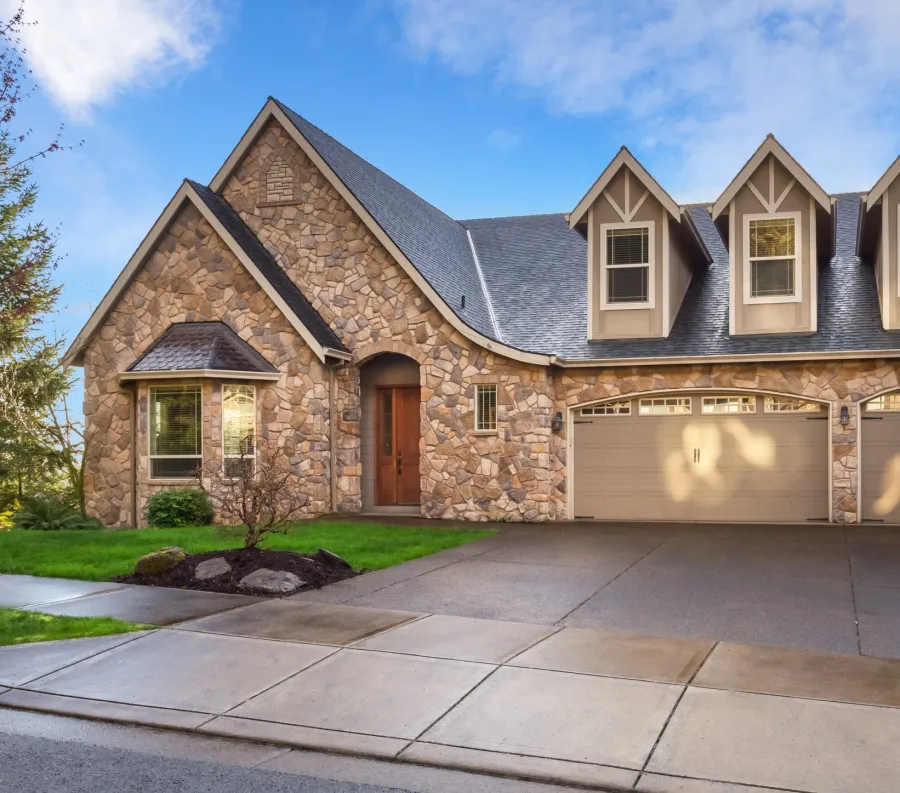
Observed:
{"x":880,"y":486}
{"x":751,"y":467}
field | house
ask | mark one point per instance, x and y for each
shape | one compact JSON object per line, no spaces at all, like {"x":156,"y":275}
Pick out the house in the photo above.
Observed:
{"x":633,"y":359}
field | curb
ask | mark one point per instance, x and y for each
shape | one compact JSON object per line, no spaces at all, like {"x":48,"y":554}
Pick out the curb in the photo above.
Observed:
{"x":606,"y":779}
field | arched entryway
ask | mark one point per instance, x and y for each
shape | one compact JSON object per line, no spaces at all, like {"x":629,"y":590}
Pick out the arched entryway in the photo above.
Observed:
{"x":696,"y":455}
{"x":390,"y":394}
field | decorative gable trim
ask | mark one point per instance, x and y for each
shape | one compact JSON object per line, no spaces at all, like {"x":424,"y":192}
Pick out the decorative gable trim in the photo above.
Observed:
{"x":651,"y":187}
{"x":881,"y":186}
{"x":187,"y":194}
{"x":272,"y":110}
{"x":771,"y":203}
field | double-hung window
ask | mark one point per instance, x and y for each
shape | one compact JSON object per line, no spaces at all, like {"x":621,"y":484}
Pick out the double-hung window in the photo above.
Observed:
{"x":176,"y":430}
{"x":772,"y":269}
{"x":627,"y":264}
{"x":238,"y":428}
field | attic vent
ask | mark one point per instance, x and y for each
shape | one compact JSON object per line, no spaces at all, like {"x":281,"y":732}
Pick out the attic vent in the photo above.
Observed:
{"x":463,"y":302}
{"x":279,"y":181}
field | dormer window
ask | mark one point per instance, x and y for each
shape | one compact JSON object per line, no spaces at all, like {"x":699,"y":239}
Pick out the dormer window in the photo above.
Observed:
{"x":627,"y":265}
{"x":773,"y":256}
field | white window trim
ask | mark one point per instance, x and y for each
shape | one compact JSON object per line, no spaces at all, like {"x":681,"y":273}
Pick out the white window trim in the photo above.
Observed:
{"x":151,"y":457}
{"x":592,"y":408}
{"x":797,"y":297}
{"x":492,"y":430}
{"x":687,"y":402}
{"x":709,"y":401}
{"x":255,"y":427}
{"x":651,"y":256}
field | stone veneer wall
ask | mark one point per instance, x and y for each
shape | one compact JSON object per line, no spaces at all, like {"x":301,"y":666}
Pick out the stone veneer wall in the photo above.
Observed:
{"x":192,"y":276}
{"x":375,"y":307}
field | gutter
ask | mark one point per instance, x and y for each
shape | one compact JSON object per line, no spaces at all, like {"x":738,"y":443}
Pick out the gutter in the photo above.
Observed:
{"x":704,"y":359}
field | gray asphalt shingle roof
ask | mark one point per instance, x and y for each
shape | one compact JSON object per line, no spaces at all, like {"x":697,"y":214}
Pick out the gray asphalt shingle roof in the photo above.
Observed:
{"x":535,"y":273}
{"x":271,"y":270}
{"x":436,"y":244}
{"x":201,"y":345}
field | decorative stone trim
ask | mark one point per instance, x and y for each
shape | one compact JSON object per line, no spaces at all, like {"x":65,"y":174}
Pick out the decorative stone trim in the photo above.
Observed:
{"x":361,"y":354}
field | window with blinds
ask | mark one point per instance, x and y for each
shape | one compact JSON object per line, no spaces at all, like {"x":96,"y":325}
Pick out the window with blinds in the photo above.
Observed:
{"x":773,"y":251}
{"x":628,"y":265}
{"x":485,"y":408}
{"x":175,"y":432}
{"x":238,"y":427}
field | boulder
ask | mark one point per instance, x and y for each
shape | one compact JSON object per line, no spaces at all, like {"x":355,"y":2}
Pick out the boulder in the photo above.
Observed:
{"x":332,"y":559}
{"x":211,"y":568}
{"x":271,"y":582}
{"x":160,"y":561}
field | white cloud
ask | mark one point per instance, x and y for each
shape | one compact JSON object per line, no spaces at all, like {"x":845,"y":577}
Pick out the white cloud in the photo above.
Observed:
{"x":84,"y":52}
{"x":503,"y":139}
{"x":698,"y":83}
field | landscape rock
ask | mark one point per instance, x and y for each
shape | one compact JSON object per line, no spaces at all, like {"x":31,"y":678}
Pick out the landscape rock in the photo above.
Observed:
{"x":333,"y":559}
{"x":271,"y":582}
{"x":211,"y":568}
{"x":160,"y":561}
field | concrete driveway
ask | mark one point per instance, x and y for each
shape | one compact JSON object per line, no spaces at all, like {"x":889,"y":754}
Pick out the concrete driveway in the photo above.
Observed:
{"x":814,"y":587}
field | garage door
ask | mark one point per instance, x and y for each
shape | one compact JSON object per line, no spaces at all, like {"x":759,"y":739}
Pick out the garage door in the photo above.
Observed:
{"x":880,"y":455}
{"x":715,"y":457}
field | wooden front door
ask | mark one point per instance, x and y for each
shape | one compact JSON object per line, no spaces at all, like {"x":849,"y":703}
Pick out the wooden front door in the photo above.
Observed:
{"x":397,"y":446}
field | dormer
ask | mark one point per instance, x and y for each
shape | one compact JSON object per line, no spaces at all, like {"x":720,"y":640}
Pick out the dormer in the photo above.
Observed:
{"x":879,"y":242}
{"x":777,"y":223}
{"x":640,"y":253}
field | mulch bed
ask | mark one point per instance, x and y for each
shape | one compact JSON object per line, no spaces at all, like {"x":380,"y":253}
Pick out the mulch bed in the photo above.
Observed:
{"x":316,"y":570}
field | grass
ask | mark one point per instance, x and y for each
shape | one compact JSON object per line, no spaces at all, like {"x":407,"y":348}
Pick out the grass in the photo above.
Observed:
{"x":19,"y":627}
{"x":104,"y":554}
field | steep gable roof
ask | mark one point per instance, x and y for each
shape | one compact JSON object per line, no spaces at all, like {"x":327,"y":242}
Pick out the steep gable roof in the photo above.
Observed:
{"x":627,"y":159}
{"x":433,"y":249}
{"x":254,"y":257}
{"x":771,"y":146}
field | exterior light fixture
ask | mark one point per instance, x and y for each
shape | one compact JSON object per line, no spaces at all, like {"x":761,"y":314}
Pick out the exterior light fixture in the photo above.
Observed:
{"x":845,"y":415}
{"x":556,"y":424}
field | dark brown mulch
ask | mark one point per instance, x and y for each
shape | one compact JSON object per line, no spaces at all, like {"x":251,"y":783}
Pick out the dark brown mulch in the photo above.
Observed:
{"x":316,"y":570}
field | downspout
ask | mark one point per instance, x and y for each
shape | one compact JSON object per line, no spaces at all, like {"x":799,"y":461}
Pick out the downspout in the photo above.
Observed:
{"x":332,"y":435}
{"x":134,"y":454}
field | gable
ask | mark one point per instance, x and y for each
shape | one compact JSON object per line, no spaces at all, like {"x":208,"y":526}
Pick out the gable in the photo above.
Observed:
{"x":770,"y":147}
{"x":247,"y":250}
{"x":624,"y":169}
{"x":190,"y":275}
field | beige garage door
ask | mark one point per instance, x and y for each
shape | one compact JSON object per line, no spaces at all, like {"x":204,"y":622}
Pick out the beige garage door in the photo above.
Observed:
{"x":880,"y":454}
{"x":710,"y":457}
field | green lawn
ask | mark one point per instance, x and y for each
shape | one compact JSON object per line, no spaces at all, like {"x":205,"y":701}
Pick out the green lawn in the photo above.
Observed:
{"x":19,"y":627}
{"x":103,"y":554}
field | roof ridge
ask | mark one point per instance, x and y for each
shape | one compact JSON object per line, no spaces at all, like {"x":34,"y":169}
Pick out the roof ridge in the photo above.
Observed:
{"x":384,"y":173}
{"x":512,"y":217}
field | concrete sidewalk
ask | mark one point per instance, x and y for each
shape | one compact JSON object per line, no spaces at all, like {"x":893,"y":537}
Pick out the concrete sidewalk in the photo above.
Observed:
{"x":571,"y":706}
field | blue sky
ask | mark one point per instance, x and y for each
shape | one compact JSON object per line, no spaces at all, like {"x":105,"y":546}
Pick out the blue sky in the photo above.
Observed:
{"x":483,"y":107}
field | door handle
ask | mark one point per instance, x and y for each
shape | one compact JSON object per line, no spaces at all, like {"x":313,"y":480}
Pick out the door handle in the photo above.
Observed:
{"x":399,"y":463}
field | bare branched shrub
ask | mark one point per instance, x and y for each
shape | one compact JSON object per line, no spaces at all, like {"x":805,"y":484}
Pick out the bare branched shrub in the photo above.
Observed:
{"x":259,"y":491}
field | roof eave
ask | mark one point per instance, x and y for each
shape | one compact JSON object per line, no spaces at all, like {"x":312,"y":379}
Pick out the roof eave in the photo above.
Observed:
{"x":185,"y":374}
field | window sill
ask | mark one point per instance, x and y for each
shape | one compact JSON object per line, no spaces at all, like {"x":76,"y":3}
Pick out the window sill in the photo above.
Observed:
{"x":485,"y":433}
{"x":756,"y":301}
{"x":626,"y":306}
{"x":187,"y":481}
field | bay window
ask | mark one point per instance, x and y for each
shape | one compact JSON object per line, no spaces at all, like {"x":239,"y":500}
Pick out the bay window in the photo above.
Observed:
{"x":176,"y":428}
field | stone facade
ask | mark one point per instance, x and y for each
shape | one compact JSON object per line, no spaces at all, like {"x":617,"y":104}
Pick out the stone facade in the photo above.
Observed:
{"x":279,"y":182}
{"x":193,"y":276}
{"x":517,"y":472}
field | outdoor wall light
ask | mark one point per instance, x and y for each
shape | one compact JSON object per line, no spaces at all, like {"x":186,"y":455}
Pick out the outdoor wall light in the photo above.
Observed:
{"x":845,"y":415}
{"x":556,"y":424}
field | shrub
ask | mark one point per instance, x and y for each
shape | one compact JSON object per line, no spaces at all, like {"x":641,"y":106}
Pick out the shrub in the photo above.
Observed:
{"x":175,"y":507}
{"x":48,"y":513}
